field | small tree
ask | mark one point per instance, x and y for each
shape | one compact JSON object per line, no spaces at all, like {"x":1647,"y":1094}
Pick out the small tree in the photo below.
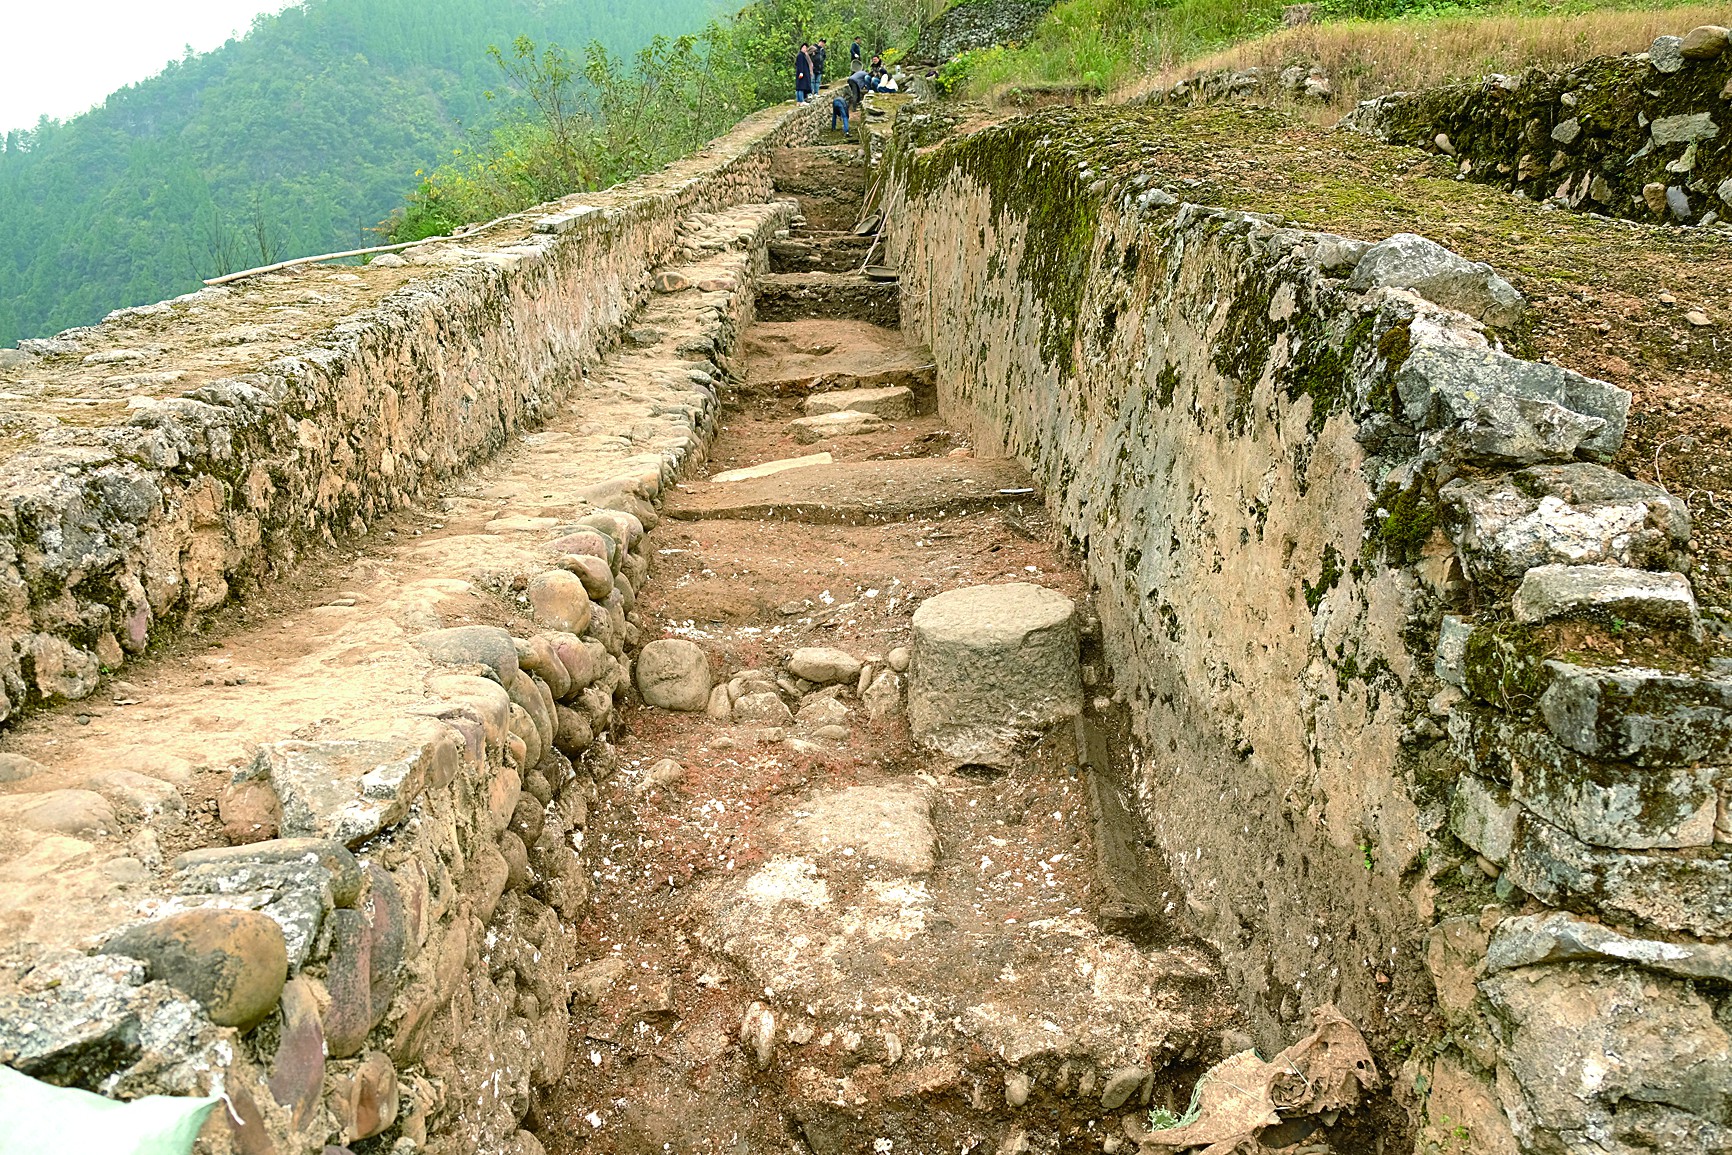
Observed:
{"x":547,"y":77}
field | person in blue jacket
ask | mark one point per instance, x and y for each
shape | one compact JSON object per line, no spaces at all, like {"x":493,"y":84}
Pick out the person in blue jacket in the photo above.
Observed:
{"x":803,"y":73}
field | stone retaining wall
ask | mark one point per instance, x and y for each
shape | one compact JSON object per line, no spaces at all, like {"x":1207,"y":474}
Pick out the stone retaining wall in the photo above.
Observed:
{"x":1353,"y":565}
{"x":130,"y":505}
{"x":1647,"y":137}
{"x":383,"y":960}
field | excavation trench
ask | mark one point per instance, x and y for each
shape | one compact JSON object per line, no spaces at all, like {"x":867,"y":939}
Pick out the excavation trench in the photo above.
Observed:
{"x":770,"y":920}
{"x":807,"y":930}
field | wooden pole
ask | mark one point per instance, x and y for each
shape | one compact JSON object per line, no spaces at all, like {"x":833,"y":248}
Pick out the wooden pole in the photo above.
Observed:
{"x":280,"y":265}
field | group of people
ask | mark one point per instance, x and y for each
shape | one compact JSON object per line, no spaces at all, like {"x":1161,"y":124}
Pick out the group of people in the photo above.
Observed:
{"x":809,"y":79}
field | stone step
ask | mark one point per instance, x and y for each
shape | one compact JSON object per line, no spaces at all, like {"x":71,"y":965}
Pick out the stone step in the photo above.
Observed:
{"x":797,"y":296}
{"x":827,"y":181}
{"x":859,"y":492}
{"x":1548,"y":592}
{"x":818,"y":251}
{"x":888,"y":402}
{"x":836,"y":423}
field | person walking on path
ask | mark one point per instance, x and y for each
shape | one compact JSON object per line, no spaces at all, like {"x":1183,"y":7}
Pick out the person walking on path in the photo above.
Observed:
{"x":803,"y":73}
{"x":819,"y":52}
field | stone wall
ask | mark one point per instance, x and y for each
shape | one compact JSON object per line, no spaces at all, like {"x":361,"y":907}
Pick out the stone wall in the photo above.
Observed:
{"x":1351,"y":564}
{"x":978,"y":24}
{"x":384,"y":954}
{"x":146,"y":475}
{"x":1647,"y":137}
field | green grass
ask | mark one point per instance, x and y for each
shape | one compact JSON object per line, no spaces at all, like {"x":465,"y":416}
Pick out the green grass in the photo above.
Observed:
{"x":1103,"y":44}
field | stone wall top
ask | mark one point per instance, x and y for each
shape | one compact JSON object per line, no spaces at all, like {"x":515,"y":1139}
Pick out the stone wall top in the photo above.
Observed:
{"x":156,"y":464}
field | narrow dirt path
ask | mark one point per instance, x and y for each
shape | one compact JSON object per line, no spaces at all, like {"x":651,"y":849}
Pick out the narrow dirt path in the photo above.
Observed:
{"x":806,"y":932}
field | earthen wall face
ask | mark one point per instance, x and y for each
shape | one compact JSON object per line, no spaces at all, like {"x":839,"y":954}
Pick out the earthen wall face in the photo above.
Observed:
{"x":1323,"y":517}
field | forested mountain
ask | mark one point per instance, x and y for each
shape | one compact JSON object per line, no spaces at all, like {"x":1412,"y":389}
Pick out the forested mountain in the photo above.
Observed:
{"x":295,"y":139}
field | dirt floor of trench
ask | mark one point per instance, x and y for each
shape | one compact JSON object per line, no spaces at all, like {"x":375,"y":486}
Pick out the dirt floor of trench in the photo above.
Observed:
{"x":656,"y":1058}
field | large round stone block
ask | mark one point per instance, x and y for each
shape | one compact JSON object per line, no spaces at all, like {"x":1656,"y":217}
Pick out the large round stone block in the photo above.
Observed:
{"x":234,"y":962}
{"x":674,"y":674}
{"x":992,"y":666}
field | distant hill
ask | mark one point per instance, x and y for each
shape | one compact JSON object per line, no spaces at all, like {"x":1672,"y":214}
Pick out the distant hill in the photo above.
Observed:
{"x":295,"y":139}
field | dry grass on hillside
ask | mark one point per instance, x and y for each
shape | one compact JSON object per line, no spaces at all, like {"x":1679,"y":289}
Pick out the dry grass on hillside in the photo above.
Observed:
{"x":1366,"y":59}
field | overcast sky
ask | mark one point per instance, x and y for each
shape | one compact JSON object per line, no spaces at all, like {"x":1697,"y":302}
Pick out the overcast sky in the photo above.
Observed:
{"x":60,"y":57}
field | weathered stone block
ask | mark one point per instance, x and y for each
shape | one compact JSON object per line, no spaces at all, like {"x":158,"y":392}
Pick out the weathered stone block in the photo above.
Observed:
{"x":349,"y":979}
{"x":1614,"y":804}
{"x":1646,"y":716}
{"x":839,"y":423}
{"x":298,"y":1070}
{"x":559,"y":601}
{"x":485,"y":696}
{"x":1576,"y":514}
{"x":232,"y":961}
{"x":1704,"y":42}
{"x":388,"y":938}
{"x":537,"y":657}
{"x":1409,"y":261}
{"x":1566,"y":591}
{"x":1690,"y":892}
{"x":473,"y":645}
{"x":350,"y":790}
{"x":1442,"y":385}
{"x":1557,"y":936}
{"x":82,"y":813}
{"x":992,"y":665}
{"x":94,"y":1020}
{"x":824,"y":665}
{"x":1483,"y":815}
{"x":1449,"y":662}
{"x":674,"y":673}
{"x":891,"y":403}
{"x":295,"y":881}
{"x":1583,"y":1045}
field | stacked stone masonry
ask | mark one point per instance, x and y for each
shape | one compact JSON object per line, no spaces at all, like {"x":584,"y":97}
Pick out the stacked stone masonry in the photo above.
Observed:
{"x":383,"y":953}
{"x":1647,"y":137}
{"x":1335,"y":535}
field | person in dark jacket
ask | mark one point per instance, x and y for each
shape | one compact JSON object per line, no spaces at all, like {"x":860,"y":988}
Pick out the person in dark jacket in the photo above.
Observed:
{"x":854,"y":54}
{"x":846,"y":101}
{"x":819,"y":52}
{"x":803,"y":73}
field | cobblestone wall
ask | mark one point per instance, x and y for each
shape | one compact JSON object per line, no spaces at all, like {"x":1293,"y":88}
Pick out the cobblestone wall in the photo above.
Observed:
{"x":156,"y":464}
{"x":381,"y":960}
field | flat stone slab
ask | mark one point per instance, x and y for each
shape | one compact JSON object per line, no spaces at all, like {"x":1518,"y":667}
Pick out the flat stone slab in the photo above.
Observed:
{"x":992,"y":665}
{"x":1558,"y":936}
{"x":1566,"y":591}
{"x":888,"y":825}
{"x":859,"y":492}
{"x":770,"y":468}
{"x":890,"y":403}
{"x":842,"y":423}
